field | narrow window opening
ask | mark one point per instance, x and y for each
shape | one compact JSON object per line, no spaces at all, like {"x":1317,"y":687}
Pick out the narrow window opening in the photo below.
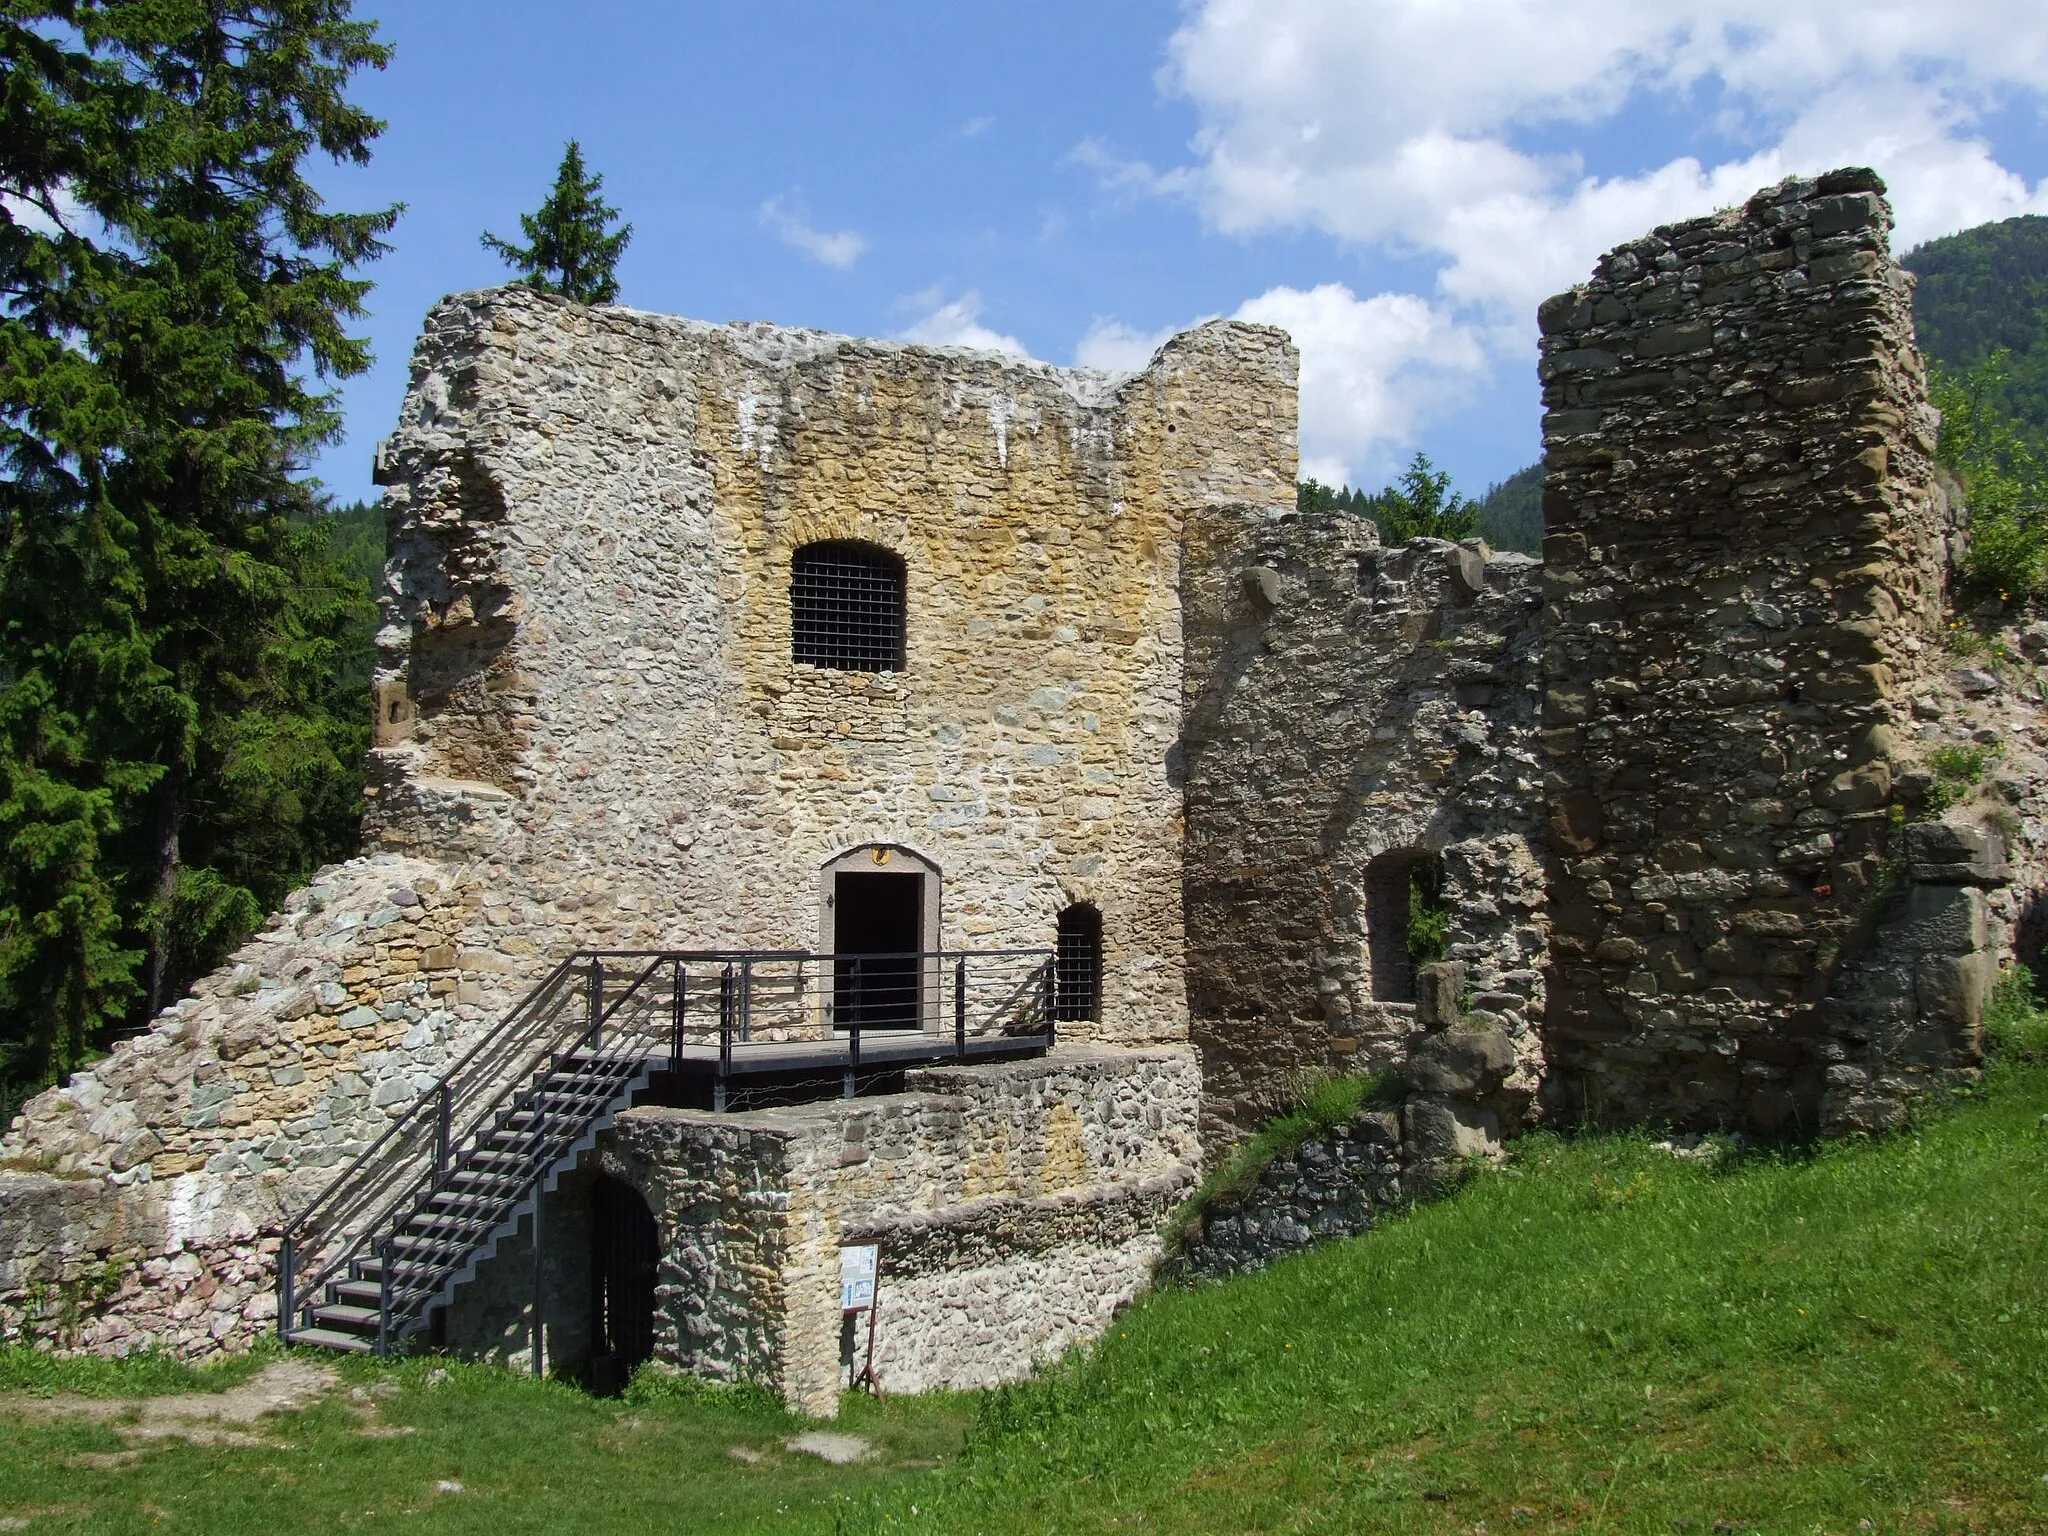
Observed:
{"x":1077,"y":965}
{"x":1407,"y":921}
{"x":846,"y":607}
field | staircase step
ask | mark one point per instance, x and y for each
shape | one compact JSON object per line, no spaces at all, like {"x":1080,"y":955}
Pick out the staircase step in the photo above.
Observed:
{"x":496,"y":1169}
{"x":329,"y":1338}
{"x":347,"y":1318}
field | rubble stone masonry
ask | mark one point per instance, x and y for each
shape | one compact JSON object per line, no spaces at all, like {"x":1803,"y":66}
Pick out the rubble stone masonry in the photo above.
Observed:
{"x":1350,"y":707}
{"x":1670,"y":774}
{"x":590,"y":732}
{"x":1742,"y":578}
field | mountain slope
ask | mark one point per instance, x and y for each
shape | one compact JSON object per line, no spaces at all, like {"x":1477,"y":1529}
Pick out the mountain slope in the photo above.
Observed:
{"x":1983,"y":289}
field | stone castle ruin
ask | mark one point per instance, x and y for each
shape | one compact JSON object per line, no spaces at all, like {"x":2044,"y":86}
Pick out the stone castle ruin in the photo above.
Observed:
{"x":830,"y":793}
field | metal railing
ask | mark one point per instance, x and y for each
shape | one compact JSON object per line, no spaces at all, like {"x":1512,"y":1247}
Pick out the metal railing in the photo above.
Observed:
{"x":600,"y":1017}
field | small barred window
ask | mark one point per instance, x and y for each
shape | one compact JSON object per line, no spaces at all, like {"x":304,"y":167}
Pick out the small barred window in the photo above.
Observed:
{"x":1077,"y":965}
{"x":846,"y":607}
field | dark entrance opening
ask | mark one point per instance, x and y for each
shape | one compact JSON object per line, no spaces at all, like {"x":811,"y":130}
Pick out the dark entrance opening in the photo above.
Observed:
{"x":625,"y":1255}
{"x":877,"y":923}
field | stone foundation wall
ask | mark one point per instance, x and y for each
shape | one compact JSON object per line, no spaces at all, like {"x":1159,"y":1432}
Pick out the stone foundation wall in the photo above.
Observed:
{"x":1346,"y":702}
{"x":1743,"y":577}
{"x":1016,"y":1206}
{"x":1334,"y":1186}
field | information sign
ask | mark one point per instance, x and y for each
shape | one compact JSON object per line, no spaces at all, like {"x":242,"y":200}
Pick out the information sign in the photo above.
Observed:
{"x":857,"y":1278}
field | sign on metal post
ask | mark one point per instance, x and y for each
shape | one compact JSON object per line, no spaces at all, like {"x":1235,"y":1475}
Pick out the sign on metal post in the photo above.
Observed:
{"x":857,"y":1278}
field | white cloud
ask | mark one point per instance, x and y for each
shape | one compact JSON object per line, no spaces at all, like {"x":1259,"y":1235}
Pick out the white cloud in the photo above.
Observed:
{"x":975,"y":127}
{"x":1118,"y":348}
{"x":841,"y":249}
{"x":1409,"y":124}
{"x":1429,"y":128}
{"x":1373,"y":371}
{"x":944,"y":322}
{"x":1114,"y":174}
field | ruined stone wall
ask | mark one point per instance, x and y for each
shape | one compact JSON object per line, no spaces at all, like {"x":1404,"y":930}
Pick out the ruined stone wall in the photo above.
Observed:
{"x":590,"y":731}
{"x":166,"y":1163}
{"x":594,"y":514}
{"x":1015,"y":1206}
{"x":1742,"y":575}
{"x":1346,"y":702}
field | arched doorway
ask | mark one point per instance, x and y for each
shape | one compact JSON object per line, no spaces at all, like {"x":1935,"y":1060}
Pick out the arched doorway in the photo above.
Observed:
{"x":625,"y":1258}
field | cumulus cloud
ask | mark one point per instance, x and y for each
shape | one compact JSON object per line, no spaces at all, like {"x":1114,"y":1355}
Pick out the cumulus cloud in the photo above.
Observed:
{"x":1373,"y":371}
{"x":1118,"y":348}
{"x":1432,"y":129}
{"x":944,"y":322}
{"x":1419,"y":125}
{"x":839,"y":249}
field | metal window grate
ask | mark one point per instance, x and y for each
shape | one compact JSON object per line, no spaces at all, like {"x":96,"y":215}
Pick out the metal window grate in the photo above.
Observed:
{"x":846,"y":607}
{"x":1077,"y":965}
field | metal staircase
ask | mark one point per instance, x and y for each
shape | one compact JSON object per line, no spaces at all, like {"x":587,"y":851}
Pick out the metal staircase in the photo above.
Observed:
{"x":364,"y":1265}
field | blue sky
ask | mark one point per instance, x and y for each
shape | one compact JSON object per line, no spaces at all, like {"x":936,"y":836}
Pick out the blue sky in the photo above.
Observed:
{"x":1397,"y":181}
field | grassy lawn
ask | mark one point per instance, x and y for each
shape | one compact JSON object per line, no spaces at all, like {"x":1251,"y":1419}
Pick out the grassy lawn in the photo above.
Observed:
{"x":1602,"y":1338}
{"x":528,"y":1456}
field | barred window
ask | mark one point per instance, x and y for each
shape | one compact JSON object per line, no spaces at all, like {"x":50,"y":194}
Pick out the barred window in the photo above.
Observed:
{"x":846,"y":607}
{"x":1077,"y":966}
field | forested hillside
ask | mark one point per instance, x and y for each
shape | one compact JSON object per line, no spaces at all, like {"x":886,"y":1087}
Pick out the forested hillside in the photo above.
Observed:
{"x":1511,"y":513}
{"x":1983,"y":290}
{"x":183,"y":662}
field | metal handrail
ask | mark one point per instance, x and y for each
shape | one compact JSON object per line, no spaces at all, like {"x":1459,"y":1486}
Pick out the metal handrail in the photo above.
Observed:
{"x":389,"y":1182}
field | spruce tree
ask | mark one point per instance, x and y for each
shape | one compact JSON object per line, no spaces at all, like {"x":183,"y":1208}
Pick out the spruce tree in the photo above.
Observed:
{"x":570,"y":253}
{"x":1422,"y":505}
{"x":173,"y":298}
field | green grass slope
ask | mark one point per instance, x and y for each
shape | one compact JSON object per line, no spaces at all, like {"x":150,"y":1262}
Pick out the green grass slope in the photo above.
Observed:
{"x":1601,"y":1338}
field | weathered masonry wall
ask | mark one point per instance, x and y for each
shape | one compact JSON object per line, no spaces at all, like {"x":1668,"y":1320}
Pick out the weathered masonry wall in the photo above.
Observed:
{"x":590,"y":733}
{"x":1348,"y":706}
{"x":588,"y":646}
{"x":1743,"y":571}
{"x":1016,"y":1207}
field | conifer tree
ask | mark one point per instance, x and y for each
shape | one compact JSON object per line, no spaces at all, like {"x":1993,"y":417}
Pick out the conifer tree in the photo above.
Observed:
{"x":1422,"y":505}
{"x":570,"y":253}
{"x":173,"y":295}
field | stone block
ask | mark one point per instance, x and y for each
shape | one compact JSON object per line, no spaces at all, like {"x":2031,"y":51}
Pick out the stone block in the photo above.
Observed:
{"x":1945,"y":853}
{"x":1448,"y":1130}
{"x":1938,"y":920}
{"x":1439,"y":992}
{"x":1462,"y":1061}
{"x":1951,"y":991}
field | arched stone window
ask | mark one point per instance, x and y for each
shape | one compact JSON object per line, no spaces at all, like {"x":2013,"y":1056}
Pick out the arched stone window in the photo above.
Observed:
{"x":1405,"y":919}
{"x":846,"y":607}
{"x":1077,"y":965}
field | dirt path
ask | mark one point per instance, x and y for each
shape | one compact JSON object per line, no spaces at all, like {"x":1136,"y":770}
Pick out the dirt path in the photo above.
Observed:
{"x":204,"y":1418}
